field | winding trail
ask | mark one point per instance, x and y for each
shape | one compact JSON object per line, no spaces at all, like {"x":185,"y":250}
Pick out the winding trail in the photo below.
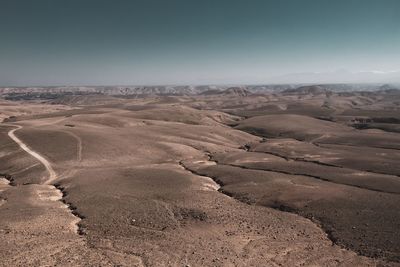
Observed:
{"x":78,"y":145}
{"x":59,"y":193}
{"x":44,"y":161}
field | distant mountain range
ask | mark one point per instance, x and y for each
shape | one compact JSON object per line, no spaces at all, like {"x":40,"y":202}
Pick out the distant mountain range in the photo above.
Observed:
{"x":144,"y":90}
{"x":342,"y":76}
{"x":31,"y":93}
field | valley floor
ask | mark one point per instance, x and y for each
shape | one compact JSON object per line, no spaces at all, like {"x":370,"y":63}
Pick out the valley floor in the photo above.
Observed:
{"x":200,"y":181}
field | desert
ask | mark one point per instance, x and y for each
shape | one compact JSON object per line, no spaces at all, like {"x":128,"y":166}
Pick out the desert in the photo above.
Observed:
{"x":216,"y":179}
{"x":229,"y":133}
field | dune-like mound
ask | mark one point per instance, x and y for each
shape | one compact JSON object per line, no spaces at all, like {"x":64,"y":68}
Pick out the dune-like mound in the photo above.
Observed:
{"x":310,"y":89}
{"x":87,"y":100}
{"x":211,"y":92}
{"x":290,"y":125}
{"x":236,"y":91}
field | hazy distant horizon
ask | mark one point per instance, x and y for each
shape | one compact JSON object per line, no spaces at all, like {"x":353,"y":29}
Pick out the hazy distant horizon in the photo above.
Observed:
{"x":198,"y":42}
{"x":371,"y":77}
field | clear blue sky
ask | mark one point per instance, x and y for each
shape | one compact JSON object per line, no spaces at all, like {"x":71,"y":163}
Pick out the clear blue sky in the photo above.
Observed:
{"x":65,"y":42}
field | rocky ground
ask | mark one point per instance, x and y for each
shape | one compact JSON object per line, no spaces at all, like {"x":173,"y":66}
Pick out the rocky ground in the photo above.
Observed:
{"x":232,"y":179}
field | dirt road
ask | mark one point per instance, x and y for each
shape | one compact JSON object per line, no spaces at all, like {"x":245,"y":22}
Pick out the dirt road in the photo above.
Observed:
{"x":52,"y":174}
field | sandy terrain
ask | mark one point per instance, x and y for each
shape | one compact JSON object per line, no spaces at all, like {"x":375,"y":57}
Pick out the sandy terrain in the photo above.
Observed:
{"x":208,"y":180}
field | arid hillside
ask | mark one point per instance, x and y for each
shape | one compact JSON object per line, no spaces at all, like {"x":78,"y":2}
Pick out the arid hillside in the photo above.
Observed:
{"x":229,"y":177}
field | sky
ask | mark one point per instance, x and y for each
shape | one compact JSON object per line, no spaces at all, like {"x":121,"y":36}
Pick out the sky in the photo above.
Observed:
{"x":149,"y":42}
